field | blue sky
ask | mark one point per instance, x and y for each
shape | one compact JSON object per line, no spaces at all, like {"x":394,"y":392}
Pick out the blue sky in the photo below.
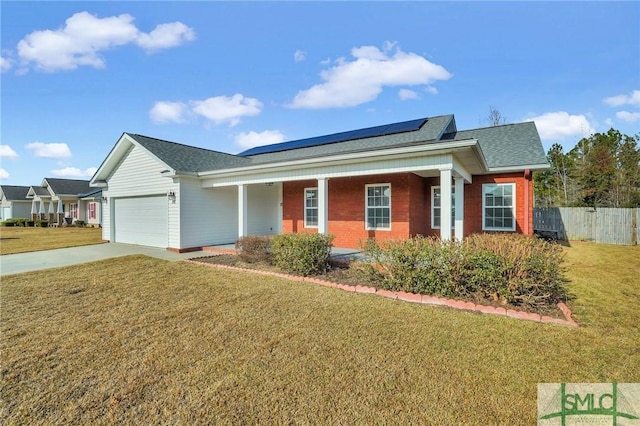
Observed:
{"x":231,"y":75}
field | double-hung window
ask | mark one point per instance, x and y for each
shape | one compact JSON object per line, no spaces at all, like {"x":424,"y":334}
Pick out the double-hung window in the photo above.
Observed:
{"x":92,"y":210}
{"x":436,"y":207}
{"x":311,"y":207}
{"x":499,"y":207}
{"x":378,"y":206}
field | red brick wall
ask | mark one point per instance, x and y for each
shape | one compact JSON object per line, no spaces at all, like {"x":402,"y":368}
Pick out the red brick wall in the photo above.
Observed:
{"x":347,"y":208}
{"x":410,"y":206}
{"x":473,"y":201}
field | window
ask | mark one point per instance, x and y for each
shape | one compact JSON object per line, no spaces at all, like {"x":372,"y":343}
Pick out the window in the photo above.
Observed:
{"x":73,"y":211}
{"x":378,"y":206}
{"x":92,"y":210}
{"x":435,"y":207}
{"x":498,"y":207}
{"x":311,"y":207}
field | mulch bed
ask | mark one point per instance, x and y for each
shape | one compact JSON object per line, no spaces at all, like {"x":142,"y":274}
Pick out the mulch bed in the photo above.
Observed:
{"x":340,"y":273}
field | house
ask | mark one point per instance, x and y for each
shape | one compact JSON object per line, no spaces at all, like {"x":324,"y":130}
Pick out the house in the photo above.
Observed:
{"x":419,"y":177}
{"x":13,"y":202}
{"x":65,"y":200}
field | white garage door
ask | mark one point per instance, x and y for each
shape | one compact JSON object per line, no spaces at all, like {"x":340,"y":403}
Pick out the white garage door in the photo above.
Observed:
{"x":141,"y":220}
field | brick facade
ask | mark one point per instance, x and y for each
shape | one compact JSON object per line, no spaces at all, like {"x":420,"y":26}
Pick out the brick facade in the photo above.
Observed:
{"x":410,"y":206}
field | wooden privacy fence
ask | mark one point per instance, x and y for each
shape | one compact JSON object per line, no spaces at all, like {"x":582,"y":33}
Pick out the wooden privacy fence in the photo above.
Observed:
{"x":602,"y":225}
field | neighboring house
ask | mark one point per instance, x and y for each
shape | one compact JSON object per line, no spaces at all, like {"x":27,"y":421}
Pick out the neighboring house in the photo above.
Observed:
{"x":419,"y":177}
{"x":93,"y":207}
{"x":58,"y":200}
{"x":14,"y":203}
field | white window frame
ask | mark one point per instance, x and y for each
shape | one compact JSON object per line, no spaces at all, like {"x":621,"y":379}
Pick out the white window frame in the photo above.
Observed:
{"x":367,"y":207}
{"x":513,"y":206}
{"x":306,"y":208}
{"x":433,"y":207}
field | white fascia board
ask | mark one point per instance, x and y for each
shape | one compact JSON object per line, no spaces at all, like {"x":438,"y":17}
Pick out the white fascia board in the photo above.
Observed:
{"x":343,"y":158}
{"x":508,"y":169}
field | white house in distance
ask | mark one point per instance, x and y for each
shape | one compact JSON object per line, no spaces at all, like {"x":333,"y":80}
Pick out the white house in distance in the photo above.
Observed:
{"x":14,"y":203}
{"x":418,"y":177}
{"x":65,"y":200}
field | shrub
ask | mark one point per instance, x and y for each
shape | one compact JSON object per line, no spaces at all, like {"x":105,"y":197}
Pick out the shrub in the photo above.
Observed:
{"x":42,"y":223}
{"x":20,"y":221}
{"x":31,"y":223}
{"x":302,"y":254}
{"x":7,"y":222}
{"x":79,"y":223}
{"x":509,"y":268}
{"x":254,"y":248}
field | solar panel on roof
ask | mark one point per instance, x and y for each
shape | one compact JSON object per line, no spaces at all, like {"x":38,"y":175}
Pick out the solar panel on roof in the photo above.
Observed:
{"x":384,"y":130}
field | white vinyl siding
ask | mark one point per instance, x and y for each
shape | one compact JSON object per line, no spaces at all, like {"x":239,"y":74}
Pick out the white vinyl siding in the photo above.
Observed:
{"x":435,"y":207}
{"x":311,"y":207}
{"x":378,"y":206}
{"x":141,"y":220}
{"x":263,"y":209}
{"x":499,"y":207}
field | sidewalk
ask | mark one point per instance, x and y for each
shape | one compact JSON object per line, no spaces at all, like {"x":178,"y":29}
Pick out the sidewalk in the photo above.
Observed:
{"x":38,"y":260}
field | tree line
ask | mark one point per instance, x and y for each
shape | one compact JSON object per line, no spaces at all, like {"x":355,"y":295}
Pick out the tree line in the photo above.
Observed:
{"x":602,"y":170}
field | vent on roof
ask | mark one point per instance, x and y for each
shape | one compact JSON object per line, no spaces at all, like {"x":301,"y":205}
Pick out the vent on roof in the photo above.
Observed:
{"x":384,"y":130}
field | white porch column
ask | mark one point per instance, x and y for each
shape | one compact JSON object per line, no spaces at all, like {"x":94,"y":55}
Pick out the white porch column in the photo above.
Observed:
{"x":60,"y":208}
{"x":41,"y":210}
{"x":445,"y":204}
{"x":323,"y":205}
{"x":242,"y":210}
{"x":34,"y":209}
{"x":459,"y":203}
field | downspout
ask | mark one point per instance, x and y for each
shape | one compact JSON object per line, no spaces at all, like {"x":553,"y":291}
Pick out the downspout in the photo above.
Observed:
{"x":527,"y":180}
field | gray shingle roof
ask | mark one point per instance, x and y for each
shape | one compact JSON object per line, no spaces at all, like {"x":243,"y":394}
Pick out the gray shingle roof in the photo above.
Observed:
{"x":14,"y":192}
{"x":430,"y":131}
{"x":507,"y":145}
{"x":185,"y":158}
{"x":41,"y":190}
{"x":68,"y":186}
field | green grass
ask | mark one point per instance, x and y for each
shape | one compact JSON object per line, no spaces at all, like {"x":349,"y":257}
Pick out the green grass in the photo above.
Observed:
{"x":25,"y":239}
{"x":137,"y":339}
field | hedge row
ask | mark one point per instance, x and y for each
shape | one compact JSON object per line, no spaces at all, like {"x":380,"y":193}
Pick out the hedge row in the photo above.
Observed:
{"x":511,"y":268}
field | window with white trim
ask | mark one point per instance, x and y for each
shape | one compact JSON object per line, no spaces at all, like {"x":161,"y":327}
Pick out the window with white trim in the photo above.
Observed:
{"x":378,"y":206}
{"x":499,"y":207}
{"x":92,"y":210}
{"x":436,"y":208}
{"x":311,"y":207}
{"x":73,"y":211}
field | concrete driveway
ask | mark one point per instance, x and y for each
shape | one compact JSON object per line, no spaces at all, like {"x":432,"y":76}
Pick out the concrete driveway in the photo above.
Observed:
{"x":37,"y":260}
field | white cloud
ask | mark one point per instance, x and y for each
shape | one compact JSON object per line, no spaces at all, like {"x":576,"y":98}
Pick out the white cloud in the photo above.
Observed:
{"x":608,"y":122}
{"x":7,"y":152}
{"x":325,"y":61}
{"x":351,"y":83}
{"x":628,"y":116}
{"x":4,"y":174}
{"x":49,"y":150}
{"x":561,"y":124}
{"x":406,"y":94}
{"x":165,"y":112}
{"x":84,"y":36}
{"x":165,"y":36}
{"x":224,"y":109}
{"x":5,"y":64}
{"x":299,"y":55}
{"x":253,"y":139}
{"x":431,"y":89}
{"x":633,"y":98}
{"x":74,"y":172}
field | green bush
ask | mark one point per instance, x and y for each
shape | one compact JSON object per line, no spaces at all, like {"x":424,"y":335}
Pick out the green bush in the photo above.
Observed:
{"x":302,"y":254}
{"x":254,"y":248}
{"x":79,"y":223}
{"x":42,"y":223}
{"x":510,"y":268}
{"x":7,"y":222}
{"x":31,"y":223}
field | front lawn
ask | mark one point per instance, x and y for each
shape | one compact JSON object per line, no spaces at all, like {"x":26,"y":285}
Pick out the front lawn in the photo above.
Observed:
{"x":23,"y":239}
{"x":136,"y":339}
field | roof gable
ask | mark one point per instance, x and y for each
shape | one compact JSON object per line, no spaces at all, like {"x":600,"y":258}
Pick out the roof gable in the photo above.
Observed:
{"x":185,"y":158}
{"x":14,"y":192}
{"x":66,"y":186}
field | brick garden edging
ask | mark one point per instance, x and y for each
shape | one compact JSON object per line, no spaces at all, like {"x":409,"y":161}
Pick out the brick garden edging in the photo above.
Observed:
{"x":412,"y":297}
